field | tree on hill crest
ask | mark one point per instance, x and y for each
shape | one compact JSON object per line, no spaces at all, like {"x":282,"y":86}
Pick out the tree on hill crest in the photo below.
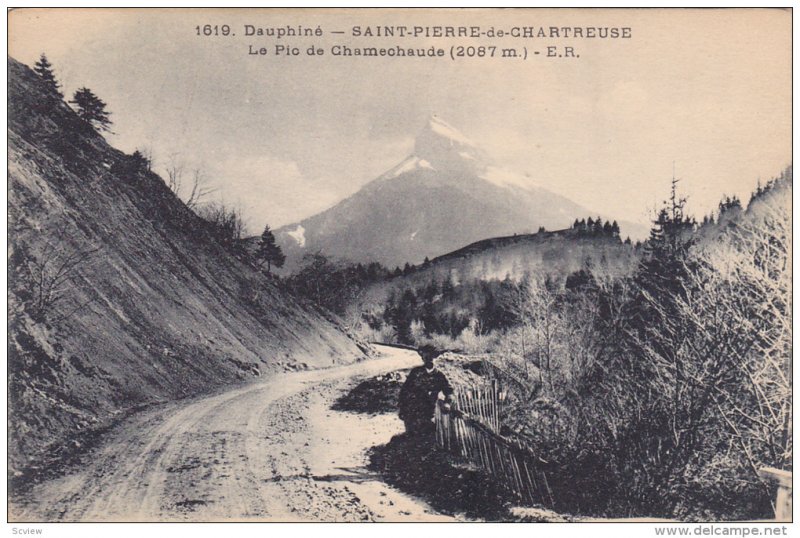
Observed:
{"x":91,"y":108}
{"x":268,"y":250}
{"x":44,"y":69}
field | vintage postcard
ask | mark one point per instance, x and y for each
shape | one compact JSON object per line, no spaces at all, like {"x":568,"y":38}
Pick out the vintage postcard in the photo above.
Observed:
{"x":393,"y":265}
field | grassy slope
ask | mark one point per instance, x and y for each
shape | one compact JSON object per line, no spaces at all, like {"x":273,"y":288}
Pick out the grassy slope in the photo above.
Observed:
{"x":556,"y":254}
{"x":157,"y":312}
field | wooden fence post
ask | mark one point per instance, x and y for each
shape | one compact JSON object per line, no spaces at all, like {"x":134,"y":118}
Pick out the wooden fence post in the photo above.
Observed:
{"x":783,"y":500}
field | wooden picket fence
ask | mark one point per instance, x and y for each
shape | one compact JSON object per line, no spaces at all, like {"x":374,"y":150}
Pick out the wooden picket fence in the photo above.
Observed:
{"x":482,"y":403}
{"x":471,"y":430}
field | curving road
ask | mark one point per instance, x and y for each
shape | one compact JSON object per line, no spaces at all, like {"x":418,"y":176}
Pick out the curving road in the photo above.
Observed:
{"x":271,"y":450}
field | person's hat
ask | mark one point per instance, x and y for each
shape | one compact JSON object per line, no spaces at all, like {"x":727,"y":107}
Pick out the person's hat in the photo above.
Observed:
{"x":428,"y":351}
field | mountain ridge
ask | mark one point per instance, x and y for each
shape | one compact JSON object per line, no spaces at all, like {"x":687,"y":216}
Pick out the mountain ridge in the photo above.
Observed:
{"x":448,"y":193}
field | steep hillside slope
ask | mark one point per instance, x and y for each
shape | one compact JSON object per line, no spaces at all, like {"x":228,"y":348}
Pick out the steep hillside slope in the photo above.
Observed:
{"x":118,"y":294}
{"x":447,"y":194}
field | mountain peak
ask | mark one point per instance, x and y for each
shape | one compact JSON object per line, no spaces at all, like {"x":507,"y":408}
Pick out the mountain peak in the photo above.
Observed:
{"x":446,"y":148}
{"x":445,"y":130}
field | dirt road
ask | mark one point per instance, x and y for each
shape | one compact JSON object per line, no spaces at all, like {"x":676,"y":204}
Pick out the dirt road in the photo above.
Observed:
{"x":273,"y":450}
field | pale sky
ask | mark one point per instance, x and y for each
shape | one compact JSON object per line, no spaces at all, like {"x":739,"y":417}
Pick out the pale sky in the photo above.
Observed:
{"x":285,"y":137}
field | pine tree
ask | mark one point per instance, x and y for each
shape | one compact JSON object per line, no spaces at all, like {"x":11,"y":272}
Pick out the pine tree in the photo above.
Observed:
{"x":138,"y":162}
{"x":404,"y":316}
{"x":269,"y":251}
{"x":431,"y":291}
{"x":44,"y":69}
{"x":729,"y":204}
{"x":448,"y":287}
{"x":665,"y":266}
{"x":91,"y":108}
{"x":759,"y":189}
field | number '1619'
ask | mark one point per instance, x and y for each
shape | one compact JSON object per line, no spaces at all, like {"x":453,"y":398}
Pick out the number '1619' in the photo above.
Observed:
{"x":209,"y":30}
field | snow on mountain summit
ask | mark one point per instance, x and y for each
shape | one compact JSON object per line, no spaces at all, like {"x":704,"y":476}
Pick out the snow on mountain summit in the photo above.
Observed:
{"x":503,"y":177}
{"x":445,"y":148}
{"x":442,"y":147}
{"x":444,"y":129}
{"x":409,"y":163}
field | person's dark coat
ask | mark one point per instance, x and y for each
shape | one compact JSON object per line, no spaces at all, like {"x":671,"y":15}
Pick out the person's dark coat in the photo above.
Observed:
{"x":419,"y":394}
